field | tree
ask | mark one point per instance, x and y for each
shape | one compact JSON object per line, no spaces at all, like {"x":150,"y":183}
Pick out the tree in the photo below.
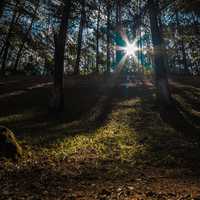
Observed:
{"x":180,"y":32}
{"x":108,"y":35}
{"x":80,"y":36}
{"x":57,"y":101}
{"x":24,"y":40}
{"x":2,"y":5}
{"x":97,"y":38}
{"x":119,"y":40}
{"x":6,"y":46}
{"x":161,"y":79}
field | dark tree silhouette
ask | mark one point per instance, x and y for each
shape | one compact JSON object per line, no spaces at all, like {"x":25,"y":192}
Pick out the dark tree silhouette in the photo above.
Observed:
{"x":57,"y":101}
{"x":80,"y":36}
{"x":163,"y":92}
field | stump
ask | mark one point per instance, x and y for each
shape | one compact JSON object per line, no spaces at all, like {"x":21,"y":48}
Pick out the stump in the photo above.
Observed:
{"x":9,"y":147}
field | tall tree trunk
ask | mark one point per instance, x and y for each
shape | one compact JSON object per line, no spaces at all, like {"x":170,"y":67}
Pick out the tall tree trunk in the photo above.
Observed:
{"x":118,"y":35}
{"x":180,"y":32}
{"x":13,"y":21}
{"x":97,"y":39}
{"x":6,"y":46}
{"x":108,"y":37}
{"x":163,"y":92}
{"x":80,"y":36}
{"x":118,"y":12}
{"x":57,"y":101}
{"x":197,"y":36}
{"x":196,"y":25}
{"x":10,"y":29}
{"x":2,"y":5}
{"x":174,"y":68}
{"x":19,"y":53}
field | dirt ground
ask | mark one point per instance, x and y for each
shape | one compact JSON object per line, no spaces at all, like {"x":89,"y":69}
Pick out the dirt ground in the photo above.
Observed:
{"x":109,"y":143}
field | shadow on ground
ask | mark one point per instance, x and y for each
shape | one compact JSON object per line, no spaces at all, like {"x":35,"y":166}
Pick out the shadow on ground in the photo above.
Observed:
{"x":129,"y":148}
{"x":86,"y":107}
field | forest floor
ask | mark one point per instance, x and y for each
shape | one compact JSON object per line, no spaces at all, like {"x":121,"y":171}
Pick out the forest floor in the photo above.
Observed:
{"x":109,"y":143}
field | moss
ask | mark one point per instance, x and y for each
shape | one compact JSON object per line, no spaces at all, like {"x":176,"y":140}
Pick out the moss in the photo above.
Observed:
{"x":9,"y":147}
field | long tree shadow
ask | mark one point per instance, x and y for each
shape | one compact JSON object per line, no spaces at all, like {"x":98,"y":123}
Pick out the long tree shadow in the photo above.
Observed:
{"x":175,"y":118}
{"x":87,"y":106}
{"x":186,"y":95}
{"x":170,"y":139}
{"x":155,"y":144}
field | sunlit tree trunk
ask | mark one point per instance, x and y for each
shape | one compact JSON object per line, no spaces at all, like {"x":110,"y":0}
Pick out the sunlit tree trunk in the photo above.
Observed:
{"x":80,"y":36}
{"x":161,"y":79}
{"x":57,"y":101}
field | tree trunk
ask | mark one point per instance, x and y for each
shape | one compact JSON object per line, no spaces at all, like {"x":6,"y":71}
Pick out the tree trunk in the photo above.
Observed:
{"x":108,"y":38}
{"x":13,"y":21}
{"x":6,"y":46}
{"x":80,"y":36}
{"x":163,"y":92}
{"x":57,"y":101}
{"x":118,"y":12}
{"x":118,"y":37}
{"x":180,"y":32}
{"x":97,"y":40}
{"x":2,"y":5}
{"x":19,"y":53}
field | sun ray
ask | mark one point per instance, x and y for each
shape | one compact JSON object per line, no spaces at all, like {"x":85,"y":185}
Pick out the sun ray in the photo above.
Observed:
{"x":130,"y":50}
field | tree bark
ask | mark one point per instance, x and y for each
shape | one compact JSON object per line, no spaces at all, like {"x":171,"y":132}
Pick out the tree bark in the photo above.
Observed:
{"x":118,"y":12}
{"x":180,"y":32}
{"x":2,"y":5}
{"x":119,"y":40}
{"x":161,"y":79}
{"x":108,"y":37}
{"x":19,"y":53}
{"x":80,"y":36}
{"x":97,"y":40}
{"x":57,"y":101}
{"x":6,"y":45}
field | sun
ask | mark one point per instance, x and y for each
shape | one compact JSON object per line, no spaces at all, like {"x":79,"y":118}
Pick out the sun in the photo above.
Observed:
{"x":131,"y":49}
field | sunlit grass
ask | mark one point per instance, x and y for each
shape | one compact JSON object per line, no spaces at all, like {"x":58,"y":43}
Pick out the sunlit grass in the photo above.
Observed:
{"x":116,"y":140}
{"x":132,"y":135}
{"x":112,"y":141}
